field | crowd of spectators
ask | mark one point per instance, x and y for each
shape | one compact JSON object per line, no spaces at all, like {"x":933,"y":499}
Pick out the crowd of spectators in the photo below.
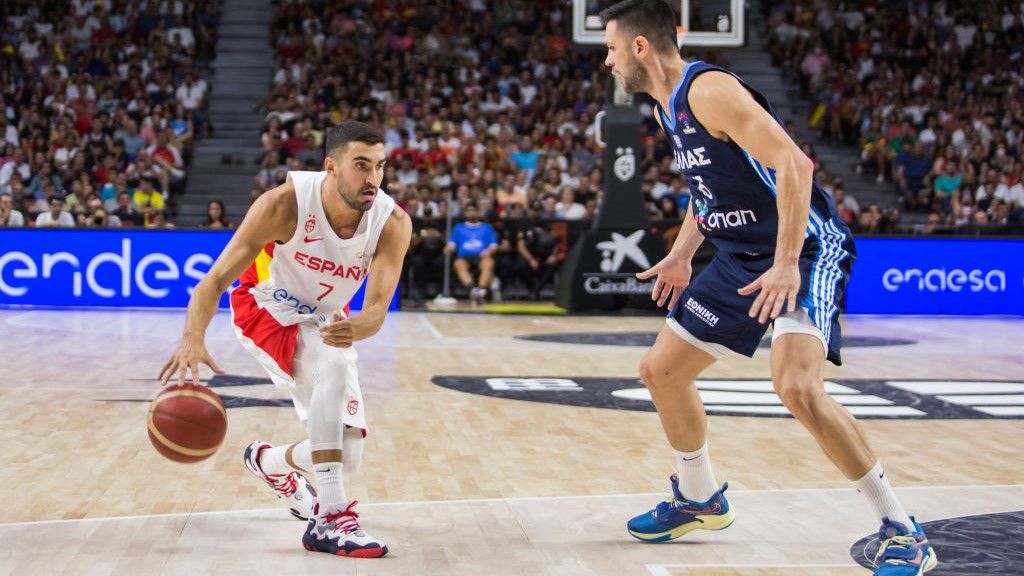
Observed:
{"x":929,"y":92}
{"x":100,"y":103}
{"x":488,"y":106}
{"x":485,"y":104}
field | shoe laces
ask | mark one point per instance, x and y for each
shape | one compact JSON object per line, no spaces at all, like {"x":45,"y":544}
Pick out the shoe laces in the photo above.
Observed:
{"x":346,"y":520}
{"x":896,"y":550}
{"x":666,"y":505}
{"x":675,"y":499}
{"x":285,"y":484}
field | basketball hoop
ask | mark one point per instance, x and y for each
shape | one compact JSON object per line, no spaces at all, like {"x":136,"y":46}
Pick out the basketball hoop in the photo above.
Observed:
{"x":680,"y":34}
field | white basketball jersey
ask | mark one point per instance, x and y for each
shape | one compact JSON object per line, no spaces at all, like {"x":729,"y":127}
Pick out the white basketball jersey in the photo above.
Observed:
{"x":316,"y":272}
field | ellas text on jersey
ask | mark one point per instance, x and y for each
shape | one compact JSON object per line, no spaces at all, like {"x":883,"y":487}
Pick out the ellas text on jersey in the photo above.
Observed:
{"x":689,"y":159}
{"x":355,"y":272}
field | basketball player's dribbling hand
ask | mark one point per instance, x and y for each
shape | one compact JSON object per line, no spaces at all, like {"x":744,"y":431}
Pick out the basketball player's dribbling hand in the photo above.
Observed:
{"x":779,"y":287}
{"x":673,"y":276}
{"x":339,"y":332}
{"x":187,"y":358}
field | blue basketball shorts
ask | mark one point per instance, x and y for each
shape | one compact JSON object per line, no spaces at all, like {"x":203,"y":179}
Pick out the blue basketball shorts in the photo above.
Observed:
{"x":713,"y":316}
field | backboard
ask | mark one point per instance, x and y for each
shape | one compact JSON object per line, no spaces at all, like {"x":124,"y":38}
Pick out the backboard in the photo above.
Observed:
{"x":703,"y":22}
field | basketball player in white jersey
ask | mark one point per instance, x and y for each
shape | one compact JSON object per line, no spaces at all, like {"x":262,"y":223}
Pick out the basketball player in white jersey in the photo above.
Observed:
{"x":301,"y":253}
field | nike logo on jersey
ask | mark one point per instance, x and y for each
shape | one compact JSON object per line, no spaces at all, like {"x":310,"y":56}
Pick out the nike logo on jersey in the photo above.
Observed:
{"x":307,"y":239}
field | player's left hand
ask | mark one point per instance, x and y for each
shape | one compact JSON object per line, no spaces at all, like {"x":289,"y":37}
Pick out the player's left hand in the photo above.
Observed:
{"x":779,"y":286}
{"x":339,"y":332}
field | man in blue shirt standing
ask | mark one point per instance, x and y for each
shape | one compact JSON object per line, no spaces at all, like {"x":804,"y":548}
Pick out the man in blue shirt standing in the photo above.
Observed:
{"x":473,"y":243}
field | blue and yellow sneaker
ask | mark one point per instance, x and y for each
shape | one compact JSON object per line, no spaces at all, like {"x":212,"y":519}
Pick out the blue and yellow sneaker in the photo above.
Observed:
{"x":677,"y":516}
{"x":903,"y":552}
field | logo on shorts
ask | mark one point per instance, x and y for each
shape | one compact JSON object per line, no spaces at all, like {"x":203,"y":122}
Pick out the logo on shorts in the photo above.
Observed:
{"x":353,"y":407}
{"x":698,"y":310}
{"x":310,"y":223}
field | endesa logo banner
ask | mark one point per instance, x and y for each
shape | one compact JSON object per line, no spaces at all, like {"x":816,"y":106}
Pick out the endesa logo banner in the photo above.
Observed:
{"x":105,"y":268}
{"x":118,"y":268}
{"x":937,"y":276}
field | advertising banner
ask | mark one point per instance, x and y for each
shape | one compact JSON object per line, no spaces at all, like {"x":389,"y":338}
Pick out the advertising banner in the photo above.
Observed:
{"x":955,"y":276}
{"x":115,"y":268}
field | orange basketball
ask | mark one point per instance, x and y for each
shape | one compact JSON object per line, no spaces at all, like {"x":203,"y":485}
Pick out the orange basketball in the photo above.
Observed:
{"x":187,"y":422}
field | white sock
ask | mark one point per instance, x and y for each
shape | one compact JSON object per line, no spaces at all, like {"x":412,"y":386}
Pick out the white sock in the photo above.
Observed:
{"x":274,"y":461}
{"x":696,"y":479}
{"x":329,"y":488}
{"x":879,"y":492}
{"x":302,"y":456}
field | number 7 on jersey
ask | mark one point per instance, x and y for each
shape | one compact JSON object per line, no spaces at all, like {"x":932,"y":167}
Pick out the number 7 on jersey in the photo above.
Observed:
{"x":328,"y":290}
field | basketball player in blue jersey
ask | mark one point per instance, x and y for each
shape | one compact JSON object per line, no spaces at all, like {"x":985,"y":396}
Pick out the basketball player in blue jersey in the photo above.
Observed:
{"x":784,"y":257}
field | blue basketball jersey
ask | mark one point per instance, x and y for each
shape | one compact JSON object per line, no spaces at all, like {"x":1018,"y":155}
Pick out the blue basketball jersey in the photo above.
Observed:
{"x":732,"y":195}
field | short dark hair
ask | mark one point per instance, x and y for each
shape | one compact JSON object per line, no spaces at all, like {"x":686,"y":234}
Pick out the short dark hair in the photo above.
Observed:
{"x":337,"y":137}
{"x":655,"y":20}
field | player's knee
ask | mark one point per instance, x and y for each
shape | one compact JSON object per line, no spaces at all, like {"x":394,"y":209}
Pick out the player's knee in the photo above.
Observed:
{"x":799,"y":392}
{"x":647,"y":370}
{"x":654,"y":374}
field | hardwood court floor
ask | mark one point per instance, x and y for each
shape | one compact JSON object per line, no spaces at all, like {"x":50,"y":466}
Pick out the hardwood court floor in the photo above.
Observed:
{"x":464,"y":483}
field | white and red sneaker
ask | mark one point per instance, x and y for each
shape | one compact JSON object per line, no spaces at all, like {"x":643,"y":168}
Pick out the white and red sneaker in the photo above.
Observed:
{"x":338,"y":533}
{"x":293,"y":491}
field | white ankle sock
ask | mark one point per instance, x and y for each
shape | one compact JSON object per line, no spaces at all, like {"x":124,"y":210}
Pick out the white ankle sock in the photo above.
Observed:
{"x":696,"y":479}
{"x":274,"y":461}
{"x":879,"y":492}
{"x":329,"y":487}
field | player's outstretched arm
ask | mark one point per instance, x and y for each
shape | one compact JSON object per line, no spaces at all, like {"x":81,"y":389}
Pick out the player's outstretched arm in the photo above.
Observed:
{"x":674,"y":270}
{"x":271,"y":218}
{"x":385,"y":271}
{"x":729,"y":111}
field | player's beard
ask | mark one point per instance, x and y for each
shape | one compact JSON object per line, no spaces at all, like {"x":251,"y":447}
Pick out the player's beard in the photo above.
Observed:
{"x":636,"y":80}
{"x":355,"y":199}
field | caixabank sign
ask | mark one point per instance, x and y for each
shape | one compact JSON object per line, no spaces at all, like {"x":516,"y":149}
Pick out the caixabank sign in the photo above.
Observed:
{"x":109,"y":268}
{"x":600,"y":270}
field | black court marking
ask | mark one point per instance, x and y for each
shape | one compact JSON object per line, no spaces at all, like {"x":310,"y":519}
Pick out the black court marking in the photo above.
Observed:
{"x":228,"y":381}
{"x":647,"y":339}
{"x":591,"y":392}
{"x":987,"y":544}
{"x":229,"y":402}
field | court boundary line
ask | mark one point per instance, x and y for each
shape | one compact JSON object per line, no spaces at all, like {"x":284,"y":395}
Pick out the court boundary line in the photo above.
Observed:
{"x":431,"y":327}
{"x":483,"y":501}
{"x":662,"y":569}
